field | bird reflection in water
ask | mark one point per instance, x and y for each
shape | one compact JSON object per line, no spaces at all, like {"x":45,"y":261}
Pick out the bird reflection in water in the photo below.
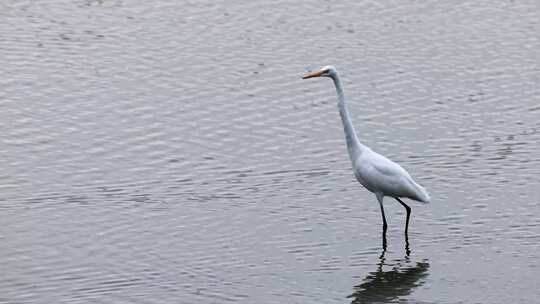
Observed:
{"x":407,"y":244}
{"x":383,"y":286}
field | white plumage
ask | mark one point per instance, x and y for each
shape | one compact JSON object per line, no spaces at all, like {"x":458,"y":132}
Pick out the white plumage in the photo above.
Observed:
{"x":375,"y":172}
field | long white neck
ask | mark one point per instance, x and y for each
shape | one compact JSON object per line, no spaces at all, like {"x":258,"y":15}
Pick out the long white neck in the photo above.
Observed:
{"x":354,"y":147}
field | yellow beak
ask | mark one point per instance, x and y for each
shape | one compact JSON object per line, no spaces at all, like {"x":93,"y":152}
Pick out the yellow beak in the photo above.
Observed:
{"x":312,"y":74}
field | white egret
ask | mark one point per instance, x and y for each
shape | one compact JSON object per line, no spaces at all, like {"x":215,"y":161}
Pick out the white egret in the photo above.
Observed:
{"x":375,"y":172}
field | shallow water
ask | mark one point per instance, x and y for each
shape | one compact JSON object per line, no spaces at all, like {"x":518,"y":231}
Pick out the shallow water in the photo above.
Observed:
{"x":164,"y":152}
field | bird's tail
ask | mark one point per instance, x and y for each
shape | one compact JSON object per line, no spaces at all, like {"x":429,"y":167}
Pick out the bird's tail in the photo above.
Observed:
{"x":422,"y":194}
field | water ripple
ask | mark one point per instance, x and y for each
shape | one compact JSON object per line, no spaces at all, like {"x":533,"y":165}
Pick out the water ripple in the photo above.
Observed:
{"x":165,"y":151}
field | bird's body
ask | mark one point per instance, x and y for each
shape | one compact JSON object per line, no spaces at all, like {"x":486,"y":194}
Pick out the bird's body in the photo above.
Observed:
{"x":384,"y":177}
{"x":375,"y":172}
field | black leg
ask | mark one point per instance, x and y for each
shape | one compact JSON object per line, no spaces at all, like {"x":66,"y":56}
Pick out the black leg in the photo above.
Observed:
{"x":383,"y":220}
{"x":408,"y":209}
{"x":385,"y":226}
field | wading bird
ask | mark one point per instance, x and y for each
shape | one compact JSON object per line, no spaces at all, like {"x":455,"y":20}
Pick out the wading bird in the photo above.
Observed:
{"x":375,"y":172}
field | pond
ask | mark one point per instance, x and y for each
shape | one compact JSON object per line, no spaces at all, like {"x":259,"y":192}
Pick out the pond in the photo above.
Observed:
{"x":169,"y":151}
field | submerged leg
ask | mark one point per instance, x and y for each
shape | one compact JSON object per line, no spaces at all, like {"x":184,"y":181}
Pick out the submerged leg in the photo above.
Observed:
{"x":407,"y":247}
{"x":385,"y":226}
{"x":408,"y":209}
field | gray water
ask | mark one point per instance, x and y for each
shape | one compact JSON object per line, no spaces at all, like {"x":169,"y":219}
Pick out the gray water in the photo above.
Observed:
{"x":168,"y":151}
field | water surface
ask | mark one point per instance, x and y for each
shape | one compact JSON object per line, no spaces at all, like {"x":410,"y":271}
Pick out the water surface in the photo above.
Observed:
{"x":165,"y":152}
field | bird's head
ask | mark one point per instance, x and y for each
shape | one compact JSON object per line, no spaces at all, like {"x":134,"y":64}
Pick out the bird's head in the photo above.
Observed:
{"x":326,"y":71}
